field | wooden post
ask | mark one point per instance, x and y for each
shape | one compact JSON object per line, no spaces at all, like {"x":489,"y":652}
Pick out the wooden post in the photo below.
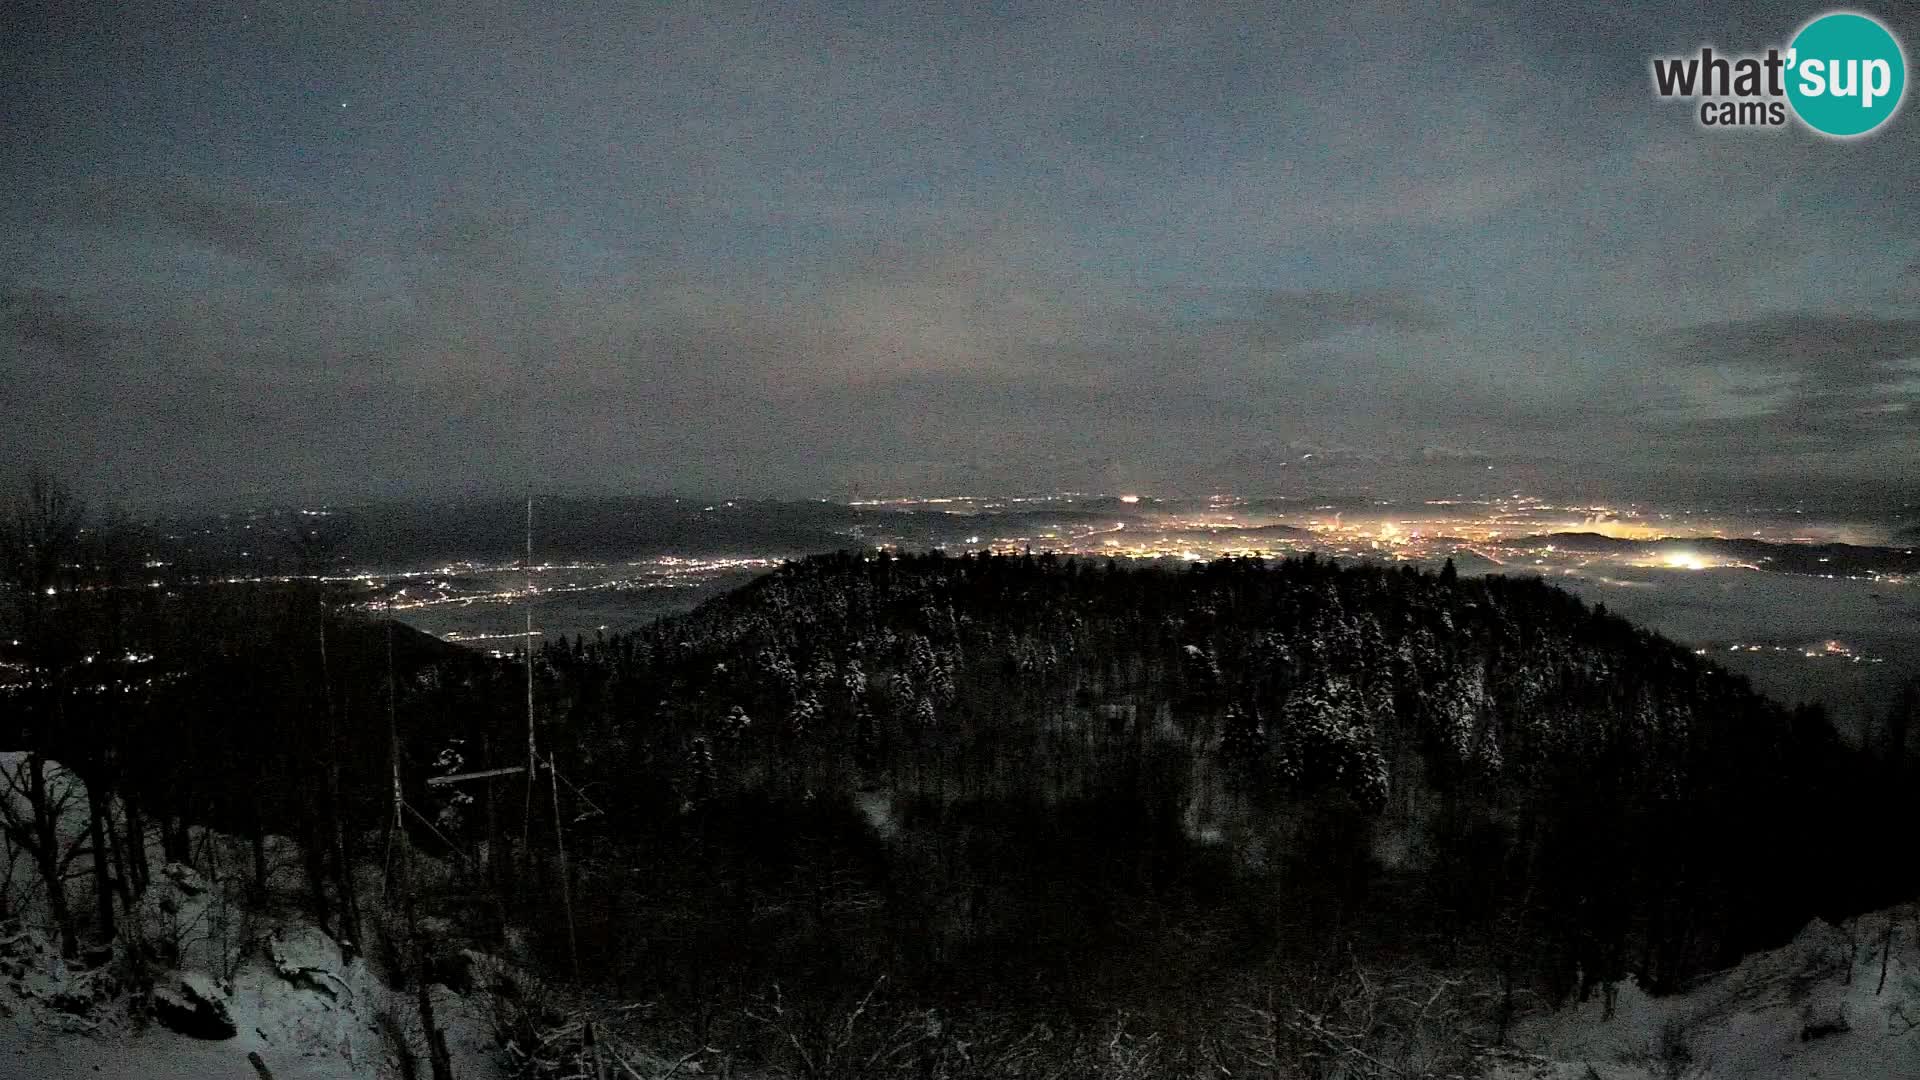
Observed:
{"x":600,"y":1070}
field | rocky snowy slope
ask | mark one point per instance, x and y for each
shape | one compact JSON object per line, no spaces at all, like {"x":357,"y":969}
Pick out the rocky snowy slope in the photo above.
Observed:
{"x":1836,"y":1003}
{"x":228,"y":980}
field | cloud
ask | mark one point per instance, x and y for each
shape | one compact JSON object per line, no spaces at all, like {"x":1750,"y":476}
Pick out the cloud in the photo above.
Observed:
{"x":1433,"y":454}
{"x":778,"y":251}
{"x":48,"y":323}
{"x":1838,"y":349}
{"x":276,"y":236}
{"x":1827,"y":382}
{"x":1292,"y":317}
{"x":974,"y":310}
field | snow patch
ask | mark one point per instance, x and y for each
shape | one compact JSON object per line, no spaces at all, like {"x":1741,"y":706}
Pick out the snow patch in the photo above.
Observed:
{"x":1834,"y":1002}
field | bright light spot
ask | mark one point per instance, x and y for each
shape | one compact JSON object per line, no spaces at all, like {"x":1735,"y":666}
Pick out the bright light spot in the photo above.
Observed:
{"x":1129,"y":498}
{"x":1685,"y":560}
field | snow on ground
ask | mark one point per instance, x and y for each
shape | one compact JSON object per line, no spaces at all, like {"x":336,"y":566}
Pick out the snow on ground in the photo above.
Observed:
{"x":1814,"y":1008}
{"x":33,"y":1051}
{"x":1818,"y":1007}
{"x":292,"y":997}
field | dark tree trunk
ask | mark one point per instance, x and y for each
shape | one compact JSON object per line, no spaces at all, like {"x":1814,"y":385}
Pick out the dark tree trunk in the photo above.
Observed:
{"x":335,"y":815}
{"x":47,"y":854}
{"x":343,"y":875}
{"x":259,"y":841}
{"x":97,"y":802}
{"x":1506,"y":994}
{"x":174,"y":840}
{"x":493,"y":868}
{"x":136,"y":840}
{"x":122,"y":869}
{"x":1886,"y":950}
{"x":315,"y":853}
{"x":437,"y":1055}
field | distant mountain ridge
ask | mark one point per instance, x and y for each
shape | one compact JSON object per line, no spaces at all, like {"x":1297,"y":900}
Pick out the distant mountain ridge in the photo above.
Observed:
{"x":1784,"y":557}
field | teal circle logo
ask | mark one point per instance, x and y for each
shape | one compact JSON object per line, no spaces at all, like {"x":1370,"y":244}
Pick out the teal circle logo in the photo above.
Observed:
{"x":1846,"y":74}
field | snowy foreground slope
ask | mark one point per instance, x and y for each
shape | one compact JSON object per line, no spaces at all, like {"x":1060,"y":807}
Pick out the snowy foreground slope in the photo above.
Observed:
{"x":1817,"y":1007}
{"x":290,"y":997}
{"x":284,"y":986}
{"x":1836,"y":1002}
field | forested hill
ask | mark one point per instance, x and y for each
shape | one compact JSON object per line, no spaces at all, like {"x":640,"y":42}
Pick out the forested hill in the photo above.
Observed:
{"x":1524,"y":758}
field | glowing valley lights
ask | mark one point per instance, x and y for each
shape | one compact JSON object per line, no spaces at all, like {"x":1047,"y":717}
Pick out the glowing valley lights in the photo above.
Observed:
{"x":1685,"y":560}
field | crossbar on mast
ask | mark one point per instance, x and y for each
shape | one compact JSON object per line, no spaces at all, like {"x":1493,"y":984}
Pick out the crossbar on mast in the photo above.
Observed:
{"x":511,"y":770}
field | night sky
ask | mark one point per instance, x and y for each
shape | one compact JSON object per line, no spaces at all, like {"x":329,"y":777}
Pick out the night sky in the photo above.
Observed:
{"x":266,"y":251}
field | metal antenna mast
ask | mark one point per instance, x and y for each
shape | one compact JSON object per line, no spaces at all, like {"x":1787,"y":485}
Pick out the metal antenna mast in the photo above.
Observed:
{"x":533,"y":774}
{"x":533,"y":759}
{"x":398,"y":827}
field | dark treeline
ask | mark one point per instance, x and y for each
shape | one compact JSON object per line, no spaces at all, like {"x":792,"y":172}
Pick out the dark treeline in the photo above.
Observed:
{"x":183,"y":699}
{"x":994,"y":782}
